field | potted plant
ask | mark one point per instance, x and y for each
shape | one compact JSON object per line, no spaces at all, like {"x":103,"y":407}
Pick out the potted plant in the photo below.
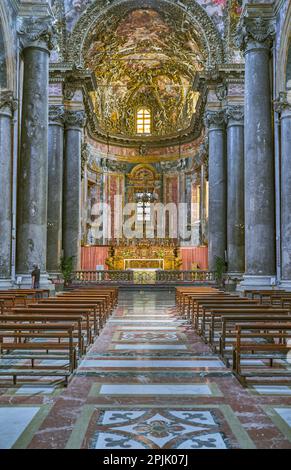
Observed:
{"x":67,"y":267}
{"x":220,"y":269}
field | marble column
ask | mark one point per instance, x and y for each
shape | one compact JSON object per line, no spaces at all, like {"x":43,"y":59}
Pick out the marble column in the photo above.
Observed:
{"x":284,"y":108}
{"x":74,"y":123}
{"x":35,"y":36}
{"x":217,"y":186}
{"x":202,"y":204}
{"x":55,"y":188}
{"x":255,"y":36}
{"x":7,"y":107}
{"x":235,"y":189}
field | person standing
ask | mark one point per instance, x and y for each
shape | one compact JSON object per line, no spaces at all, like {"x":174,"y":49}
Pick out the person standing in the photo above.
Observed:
{"x":35,"y":276}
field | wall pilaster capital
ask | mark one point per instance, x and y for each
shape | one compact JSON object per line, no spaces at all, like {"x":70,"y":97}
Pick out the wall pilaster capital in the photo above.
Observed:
{"x":282,"y":105}
{"x":7,"y":102}
{"x":254,"y":32}
{"x":234,"y":115}
{"x":75,"y":119}
{"x":85,"y":157}
{"x":38,"y":32}
{"x":56,"y":114}
{"x":214,"y":119}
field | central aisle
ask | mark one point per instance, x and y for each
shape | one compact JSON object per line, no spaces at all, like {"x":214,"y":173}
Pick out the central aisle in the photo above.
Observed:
{"x":149,"y":382}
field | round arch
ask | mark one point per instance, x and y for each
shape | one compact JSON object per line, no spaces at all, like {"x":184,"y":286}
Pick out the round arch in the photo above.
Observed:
{"x":208,"y":34}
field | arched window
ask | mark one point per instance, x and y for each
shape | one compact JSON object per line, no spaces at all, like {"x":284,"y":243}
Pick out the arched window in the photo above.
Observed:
{"x":143,"y":121}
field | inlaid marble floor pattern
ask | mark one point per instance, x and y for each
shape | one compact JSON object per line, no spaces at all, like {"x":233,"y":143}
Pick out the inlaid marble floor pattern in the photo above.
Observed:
{"x":148,"y":382}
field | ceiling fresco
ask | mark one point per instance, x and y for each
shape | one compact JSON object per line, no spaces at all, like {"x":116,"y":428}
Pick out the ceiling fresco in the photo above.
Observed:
{"x":74,"y":8}
{"x":146,"y":58}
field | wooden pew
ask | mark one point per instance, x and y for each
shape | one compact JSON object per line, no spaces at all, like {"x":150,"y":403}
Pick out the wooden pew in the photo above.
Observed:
{"x":93,"y":309}
{"x":26,"y":348}
{"x":102,"y":301}
{"x":183,"y":292}
{"x":82,"y":331}
{"x":112,"y":292}
{"x":203,"y":306}
{"x":211,"y":313}
{"x":11,"y":300}
{"x":280,"y":334}
{"x":32,"y":293}
{"x":227,"y":333}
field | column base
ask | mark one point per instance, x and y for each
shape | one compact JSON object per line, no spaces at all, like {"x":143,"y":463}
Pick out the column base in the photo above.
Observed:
{"x":6,"y":284}
{"x":235,"y":275}
{"x":285,"y":284}
{"x":257,"y":283}
{"x":25,"y":282}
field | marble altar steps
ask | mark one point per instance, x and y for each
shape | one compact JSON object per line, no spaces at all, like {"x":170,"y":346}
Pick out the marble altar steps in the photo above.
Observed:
{"x":251,"y":334}
{"x":46,"y":337}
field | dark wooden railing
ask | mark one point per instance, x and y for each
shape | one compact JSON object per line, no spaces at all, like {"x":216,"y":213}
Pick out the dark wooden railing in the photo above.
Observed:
{"x":144,"y":277}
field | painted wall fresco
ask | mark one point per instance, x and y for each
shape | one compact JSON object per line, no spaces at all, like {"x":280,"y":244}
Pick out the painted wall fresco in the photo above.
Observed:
{"x":153,"y":61}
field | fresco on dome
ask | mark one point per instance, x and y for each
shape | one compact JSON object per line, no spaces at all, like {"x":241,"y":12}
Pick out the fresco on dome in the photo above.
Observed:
{"x":214,"y":8}
{"x":153,"y":62}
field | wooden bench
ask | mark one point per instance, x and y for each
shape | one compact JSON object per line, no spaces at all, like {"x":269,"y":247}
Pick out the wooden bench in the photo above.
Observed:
{"x":20,"y":337}
{"x":183,"y":292}
{"x":93,"y":310}
{"x":30,"y":293}
{"x":204,"y":306}
{"x":11,"y":300}
{"x":103,"y":301}
{"x":212,"y":313}
{"x":80,"y":319}
{"x":280,"y":334}
{"x":227,"y":332}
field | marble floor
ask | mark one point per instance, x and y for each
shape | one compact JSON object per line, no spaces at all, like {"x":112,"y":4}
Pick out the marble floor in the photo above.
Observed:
{"x":148,"y":382}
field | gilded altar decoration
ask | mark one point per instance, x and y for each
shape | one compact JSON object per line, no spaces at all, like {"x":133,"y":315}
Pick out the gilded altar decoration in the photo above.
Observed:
{"x":144,"y":254}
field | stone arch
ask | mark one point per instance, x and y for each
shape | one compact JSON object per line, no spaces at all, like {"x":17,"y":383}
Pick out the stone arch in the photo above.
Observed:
{"x":208,"y":34}
{"x":284,"y":55}
{"x":6,"y":53}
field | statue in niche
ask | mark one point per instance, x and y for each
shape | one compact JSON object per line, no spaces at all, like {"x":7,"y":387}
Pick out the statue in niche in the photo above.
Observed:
{"x":142,"y":149}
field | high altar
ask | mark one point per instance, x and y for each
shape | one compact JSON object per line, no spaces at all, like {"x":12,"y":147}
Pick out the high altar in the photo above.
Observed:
{"x":144,"y":255}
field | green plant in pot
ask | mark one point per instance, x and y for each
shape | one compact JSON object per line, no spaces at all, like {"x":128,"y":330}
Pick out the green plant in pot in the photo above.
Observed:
{"x":220,"y":269}
{"x":67,"y":268}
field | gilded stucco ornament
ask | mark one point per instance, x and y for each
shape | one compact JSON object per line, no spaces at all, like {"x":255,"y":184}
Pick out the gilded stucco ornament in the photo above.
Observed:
{"x":185,"y":42}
